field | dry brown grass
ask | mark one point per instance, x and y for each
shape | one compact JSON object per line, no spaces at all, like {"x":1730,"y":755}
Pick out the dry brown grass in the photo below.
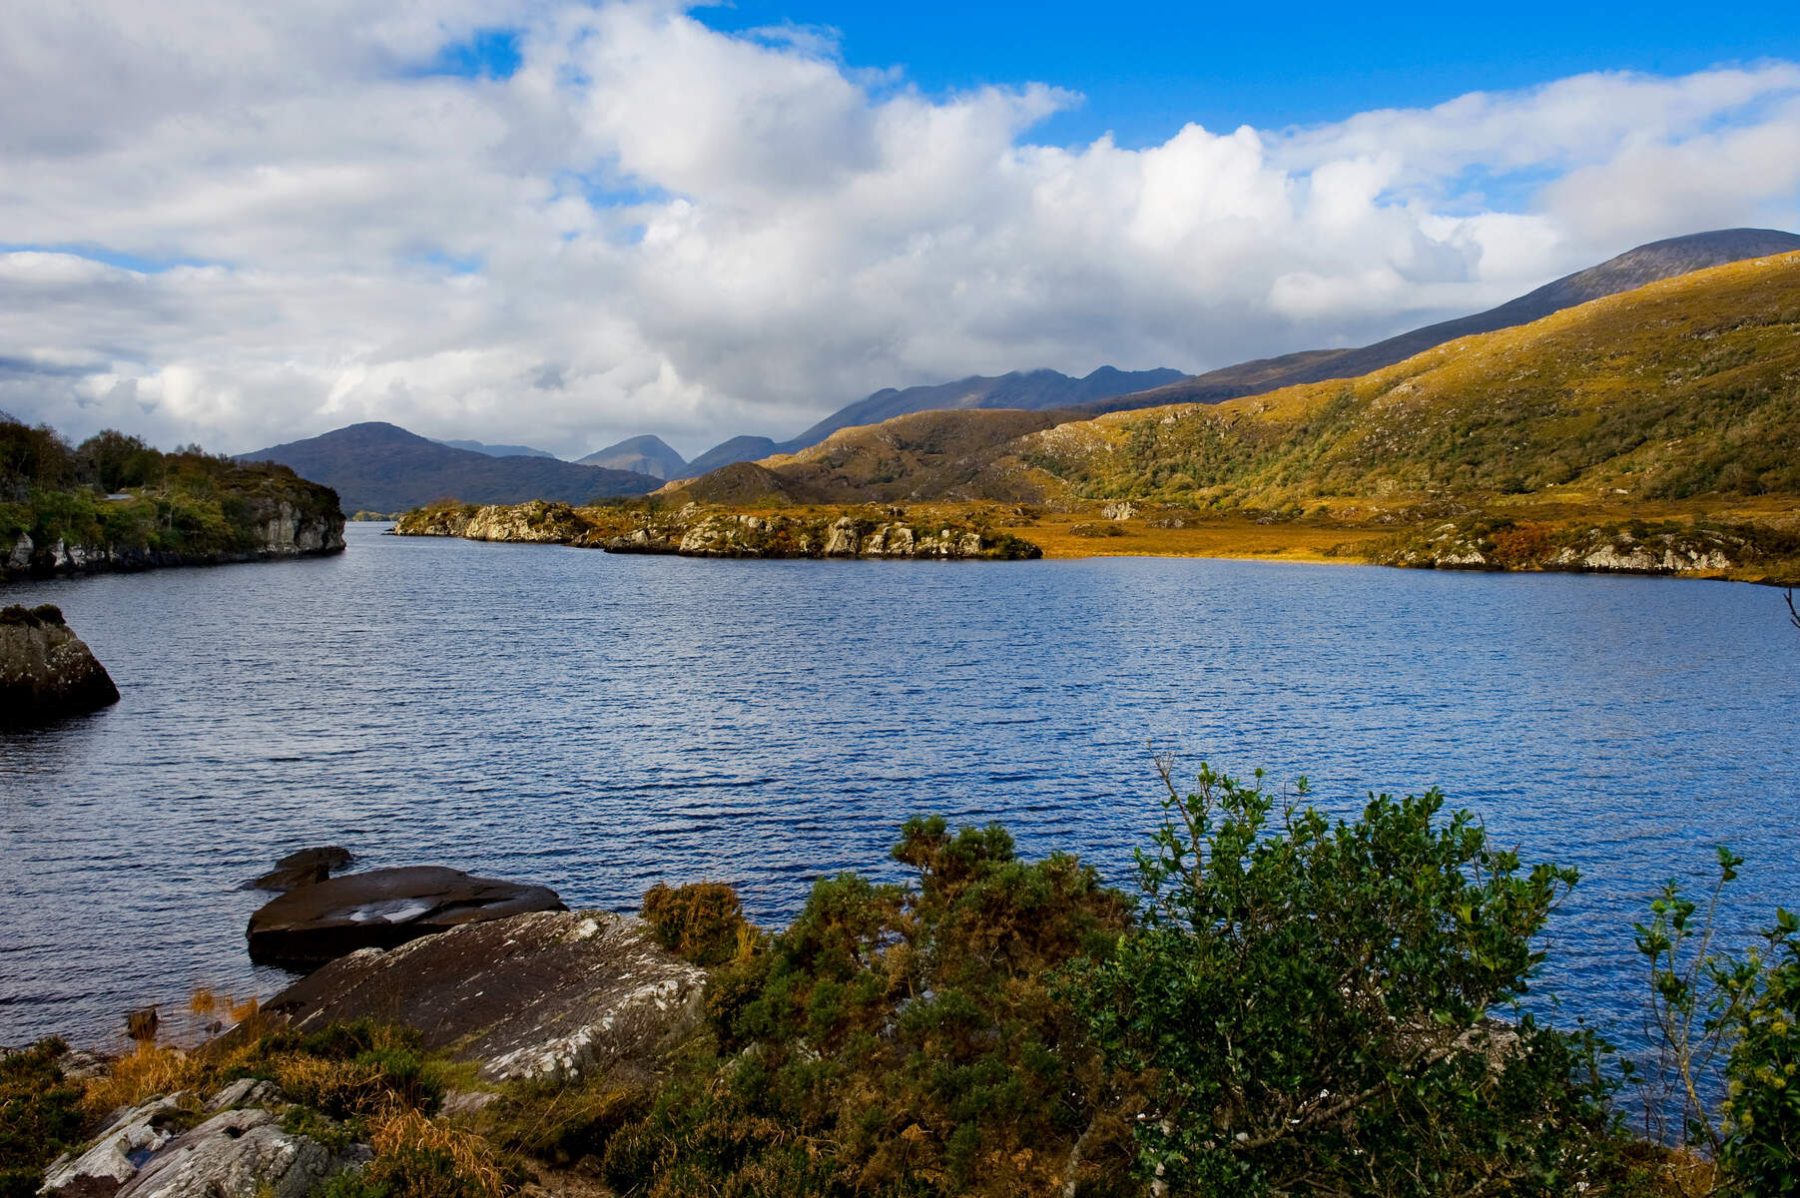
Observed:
{"x":147,"y":1071}
{"x":408,"y":1132}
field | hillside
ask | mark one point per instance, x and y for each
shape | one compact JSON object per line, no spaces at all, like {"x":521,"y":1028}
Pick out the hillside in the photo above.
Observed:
{"x":1686,"y":387}
{"x":1678,"y":399}
{"x":726,"y":453}
{"x":1634,"y":268}
{"x":639,"y":455}
{"x":499,"y":451}
{"x":383,"y":468}
{"x":926,"y":455}
{"x":1032,"y":390}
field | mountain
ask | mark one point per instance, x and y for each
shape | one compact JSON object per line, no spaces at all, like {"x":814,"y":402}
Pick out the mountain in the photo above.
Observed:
{"x":383,"y":468}
{"x":1687,"y":387}
{"x":1634,"y":268}
{"x":738,"y":449}
{"x":499,"y":451}
{"x":641,"y":455}
{"x":935,"y":455}
{"x":1031,"y":390}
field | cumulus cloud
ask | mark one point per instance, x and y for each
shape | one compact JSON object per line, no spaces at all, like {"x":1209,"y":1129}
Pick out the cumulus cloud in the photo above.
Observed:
{"x":242,"y":224}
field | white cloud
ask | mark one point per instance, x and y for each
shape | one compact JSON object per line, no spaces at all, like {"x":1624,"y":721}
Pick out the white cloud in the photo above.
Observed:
{"x":652,"y":226}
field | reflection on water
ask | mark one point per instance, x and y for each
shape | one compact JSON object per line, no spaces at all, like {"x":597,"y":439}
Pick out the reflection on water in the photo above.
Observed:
{"x":598,"y":723}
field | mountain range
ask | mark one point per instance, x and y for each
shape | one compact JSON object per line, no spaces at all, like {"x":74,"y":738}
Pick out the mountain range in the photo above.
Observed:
{"x":383,"y":468}
{"x":379,"y":467}
{"x":1685,"y":387}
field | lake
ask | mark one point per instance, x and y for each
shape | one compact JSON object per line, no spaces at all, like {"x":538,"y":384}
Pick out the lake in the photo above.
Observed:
{"x":598,"y":723}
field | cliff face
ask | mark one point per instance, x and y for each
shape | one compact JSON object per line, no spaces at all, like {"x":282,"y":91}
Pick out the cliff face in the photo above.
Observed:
{"x":694,"y":531}
{"x":46,"y":671}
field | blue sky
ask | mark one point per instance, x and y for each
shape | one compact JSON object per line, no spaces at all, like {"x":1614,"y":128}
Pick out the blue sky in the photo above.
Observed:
{"x":1146,"y":69}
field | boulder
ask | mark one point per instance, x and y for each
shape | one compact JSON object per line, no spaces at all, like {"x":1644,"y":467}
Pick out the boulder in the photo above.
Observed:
{"x":382,"y":908}
{"x":544,"y":995}
{"x":241,"y":1154}
{"x":46,"y":671}
{"x":302,"y":868}
{"x":114,"y":1156}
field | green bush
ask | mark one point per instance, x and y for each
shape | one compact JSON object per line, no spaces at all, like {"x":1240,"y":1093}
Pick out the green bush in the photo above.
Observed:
{"x":894,"y":1039}
{"x":1706,"y":1002}
{"x":40,"y":1116}
{"x":1305,"y":1006}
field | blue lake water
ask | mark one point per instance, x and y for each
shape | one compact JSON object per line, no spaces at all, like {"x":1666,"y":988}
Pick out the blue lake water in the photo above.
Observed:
{"x":599,"y":723}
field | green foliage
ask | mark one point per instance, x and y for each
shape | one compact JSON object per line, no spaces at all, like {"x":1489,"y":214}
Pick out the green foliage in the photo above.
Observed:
{"x":702,"y":921}
{"x":182,"y":504}
{"x":1707,"y":1004}
{"x":894,"y":1039}
{"x":1306,"y":1005}
{"x":40,"y":1116}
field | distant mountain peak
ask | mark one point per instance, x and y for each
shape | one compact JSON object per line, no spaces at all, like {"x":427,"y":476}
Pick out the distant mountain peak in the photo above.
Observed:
{"x":644,"y":454}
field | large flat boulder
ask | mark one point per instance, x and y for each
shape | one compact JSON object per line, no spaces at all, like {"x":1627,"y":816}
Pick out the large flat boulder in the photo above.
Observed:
{"x":550,"y":994}
{"x":382,"y":908}
{"x":46,"y":671}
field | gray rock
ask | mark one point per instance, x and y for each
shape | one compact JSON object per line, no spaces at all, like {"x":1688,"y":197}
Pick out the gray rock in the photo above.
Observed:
{"x":46,"y":671}
{"x":240,"y":1154}
{"x":550,"y":994}
{"x":116,"y":1154}
{"x":245,"y":1092}
{"x":382,"y":908}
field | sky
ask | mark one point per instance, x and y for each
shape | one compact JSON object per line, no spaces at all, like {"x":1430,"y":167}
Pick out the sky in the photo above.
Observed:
{"x":562,"y":224}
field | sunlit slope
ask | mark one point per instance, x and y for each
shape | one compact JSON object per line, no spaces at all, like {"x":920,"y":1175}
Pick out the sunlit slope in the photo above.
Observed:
{"x":1684,"y":387}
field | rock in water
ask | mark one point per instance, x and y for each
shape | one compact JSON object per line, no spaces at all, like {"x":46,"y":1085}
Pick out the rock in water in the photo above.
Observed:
{"x":46,"y":671}
{"x":382,"y":908}
{"x":548,"y":995}
{"x":302,"y":868}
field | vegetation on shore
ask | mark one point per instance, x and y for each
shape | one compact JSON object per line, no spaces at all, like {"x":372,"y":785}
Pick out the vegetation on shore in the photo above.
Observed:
{"x":1289,"y":1004}
{"x":115,"y":496}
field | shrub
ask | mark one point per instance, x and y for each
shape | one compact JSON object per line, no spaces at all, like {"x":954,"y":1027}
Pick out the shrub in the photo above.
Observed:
{"x":1706,"y":1003}
{"x":702,"y":921}
{"x":1305,"y":1005}
{"x":894,"y":1039}
{"x":40,"y":1116}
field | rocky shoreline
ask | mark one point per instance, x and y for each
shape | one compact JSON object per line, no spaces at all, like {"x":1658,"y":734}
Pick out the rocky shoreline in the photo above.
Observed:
{"x":695,"y":531}
{"x":280,"y":529}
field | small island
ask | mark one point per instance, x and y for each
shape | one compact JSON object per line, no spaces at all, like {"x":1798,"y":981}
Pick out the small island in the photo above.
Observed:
{"x":116,"y":503}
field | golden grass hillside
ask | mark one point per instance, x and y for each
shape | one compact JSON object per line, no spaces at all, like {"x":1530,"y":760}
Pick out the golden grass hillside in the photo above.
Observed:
{"x":1685,"y":388}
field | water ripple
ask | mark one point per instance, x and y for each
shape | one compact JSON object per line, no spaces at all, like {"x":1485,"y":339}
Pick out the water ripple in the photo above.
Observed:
{"x":602,"y":723}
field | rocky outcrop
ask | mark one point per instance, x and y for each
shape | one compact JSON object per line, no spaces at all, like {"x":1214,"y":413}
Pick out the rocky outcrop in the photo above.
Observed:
{"x":113,"y":1157}
{"x":382,"y":908}
{"x":545,"y":995}
{"x":175,"y":1146}
{"x":696,"y":531}
{"x":538,"y":522}
{"x":241,"y":1154}
{"x":728,"y":534}
{"x":302,"y":868}
{"x":1487,"y":544}
{"x":46,"y":671}
{"x":294,"y":519}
